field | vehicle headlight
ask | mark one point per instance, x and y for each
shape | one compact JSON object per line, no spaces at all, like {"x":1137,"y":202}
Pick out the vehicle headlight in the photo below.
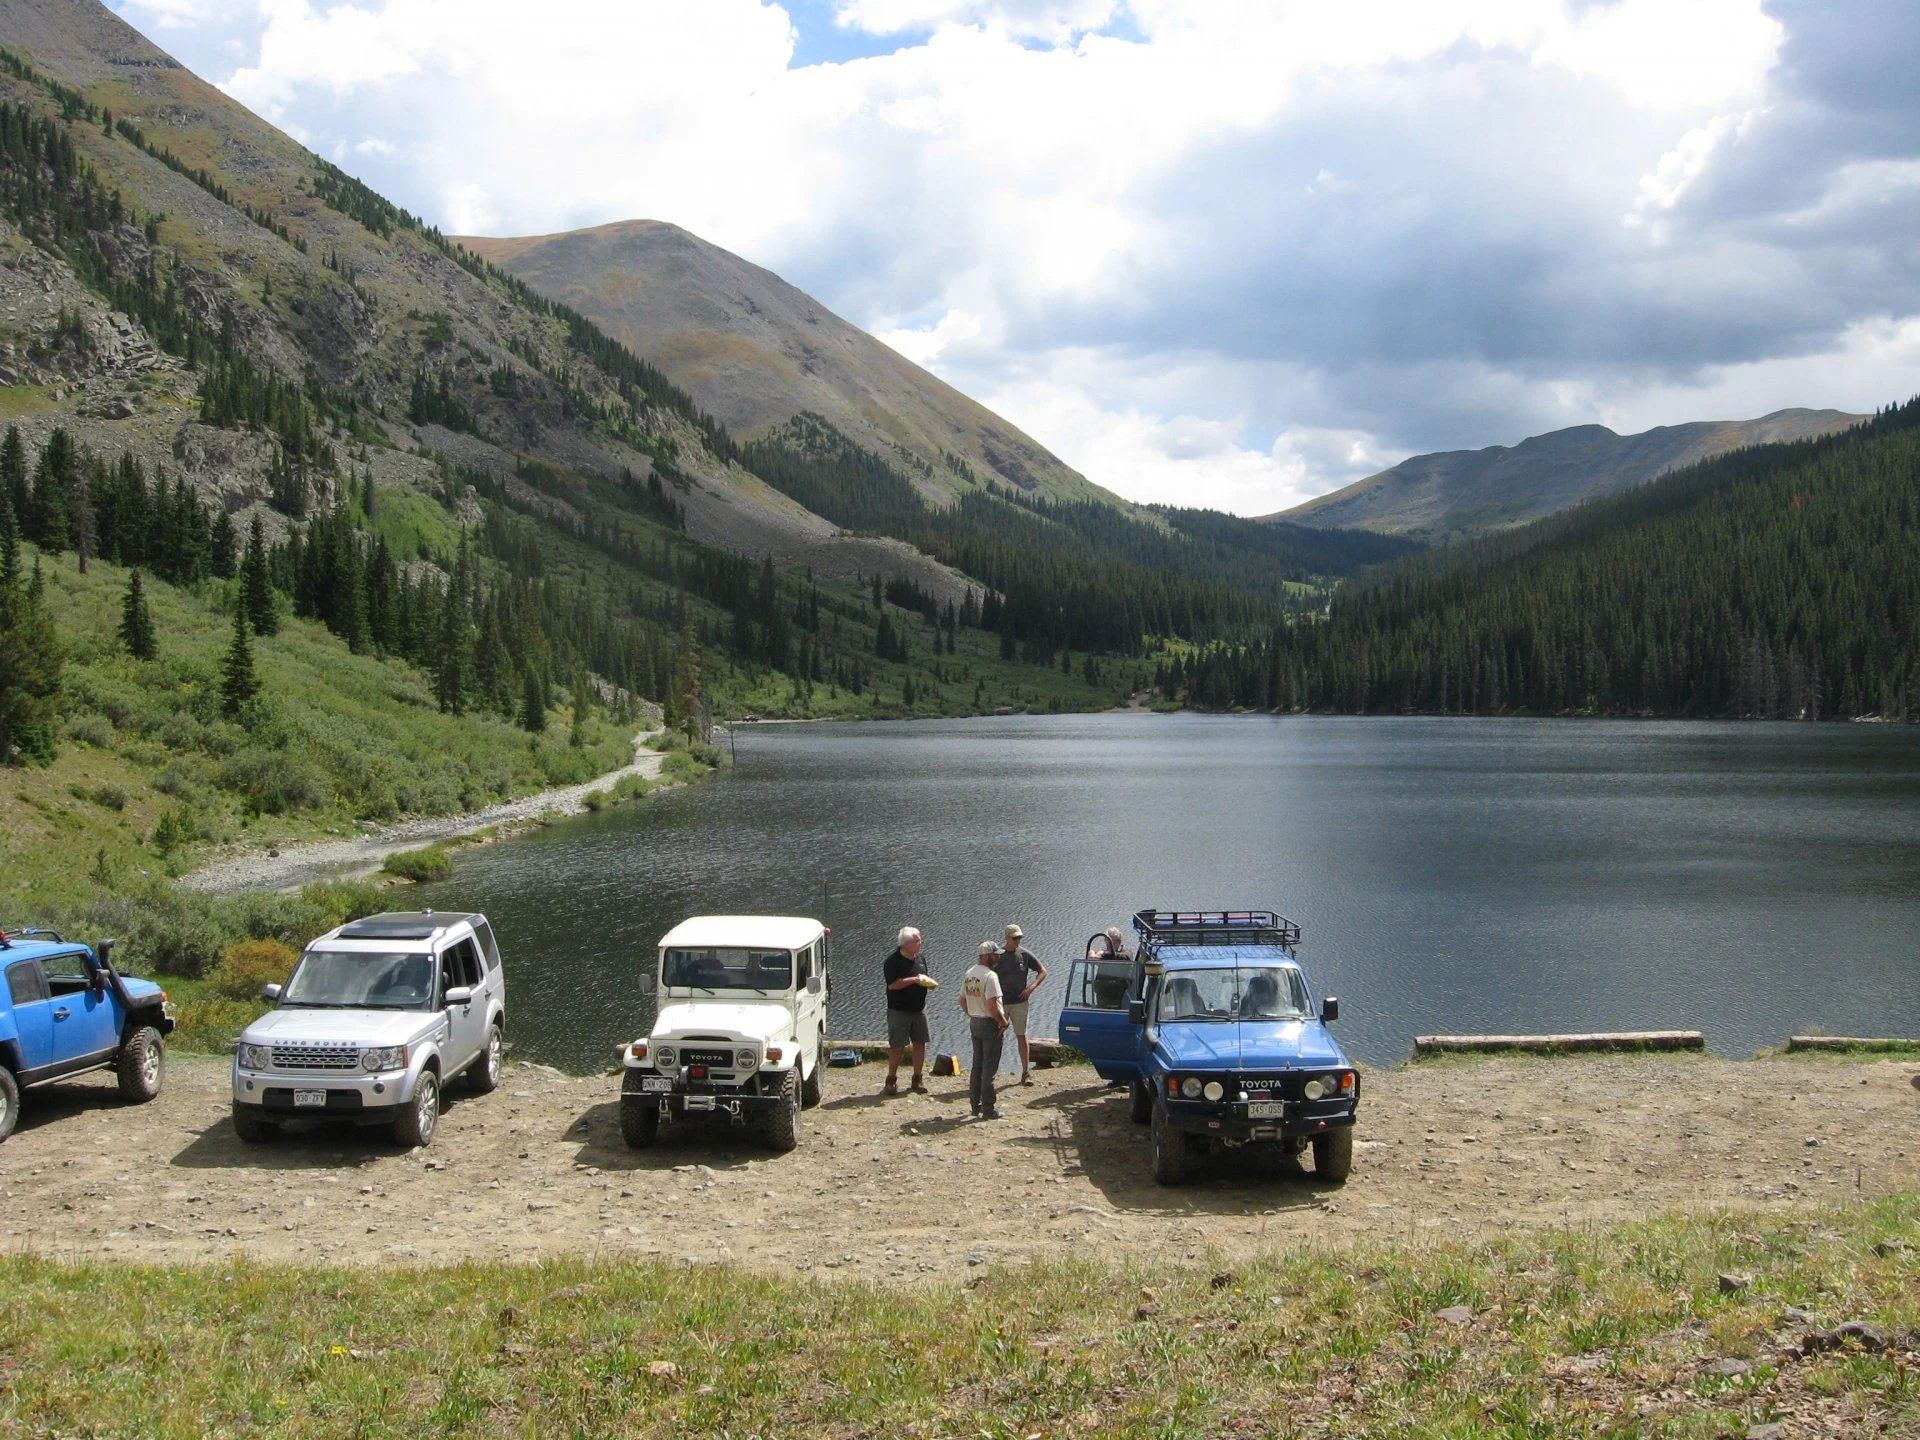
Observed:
{"x":1314,"y":1088}
{"x":1215,"y":1090}
{"x":664,"y":1057}
{"x":253,"y":1057}
{"x":384,"y":1057}
{"x":745,"y":1059}
{"x":1190,"y":1087}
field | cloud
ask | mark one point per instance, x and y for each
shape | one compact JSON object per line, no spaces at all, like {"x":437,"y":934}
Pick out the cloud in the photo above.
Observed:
{"x":1220,"y":251}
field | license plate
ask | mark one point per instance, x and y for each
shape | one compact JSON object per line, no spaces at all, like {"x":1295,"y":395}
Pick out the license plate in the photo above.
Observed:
{"x":1266,"y":1109}
{"x":656,"y":1084}
{"x":303,"y":1098}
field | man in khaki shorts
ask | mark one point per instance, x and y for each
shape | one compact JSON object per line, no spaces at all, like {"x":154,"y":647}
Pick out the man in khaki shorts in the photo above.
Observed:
{"x":1021,"y":973}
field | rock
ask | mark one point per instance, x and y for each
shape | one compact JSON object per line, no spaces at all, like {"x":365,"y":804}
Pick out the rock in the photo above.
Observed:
{"x":1773,"y":1431}
{"x":1729,"y":1367}
{"x":1794,"y":1315}
{"x":1145,"y":1312}
{"x":1884,"y":1248}
{"x":1853,"y":1332}
{"x":1454,"y":1315}
{"x":664,"y":1370}
{"x":1222,"y":1280}
{"x":1733,"y":1283}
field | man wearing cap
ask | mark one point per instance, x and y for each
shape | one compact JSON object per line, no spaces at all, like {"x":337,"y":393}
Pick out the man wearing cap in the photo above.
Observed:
{"x":905,"y":973}
{"x":987,"y":1024}
{"x":1021,"y":973}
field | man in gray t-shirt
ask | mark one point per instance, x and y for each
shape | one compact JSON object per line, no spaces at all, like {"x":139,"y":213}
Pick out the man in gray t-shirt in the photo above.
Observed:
{"x":1021,"y":973}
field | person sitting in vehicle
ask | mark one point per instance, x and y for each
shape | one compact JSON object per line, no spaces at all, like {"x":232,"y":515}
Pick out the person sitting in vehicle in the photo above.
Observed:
{"x":1183,"y":1000}
{"x":1262,"y":1000}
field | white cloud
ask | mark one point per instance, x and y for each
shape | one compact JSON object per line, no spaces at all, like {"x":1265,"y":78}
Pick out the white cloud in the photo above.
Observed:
{"x":1052,"y":19}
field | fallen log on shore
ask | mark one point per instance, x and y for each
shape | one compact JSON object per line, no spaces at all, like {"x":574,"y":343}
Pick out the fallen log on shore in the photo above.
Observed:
{"x":1624,"y":1041}
{"x":1895,"y":1044}
{"x":1046,"y":1053}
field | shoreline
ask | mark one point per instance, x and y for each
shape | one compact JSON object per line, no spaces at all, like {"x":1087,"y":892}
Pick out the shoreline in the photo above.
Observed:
{"x":288,"y":867}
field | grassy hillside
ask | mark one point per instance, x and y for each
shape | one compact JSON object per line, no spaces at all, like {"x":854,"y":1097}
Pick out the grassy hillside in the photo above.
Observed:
{"x":1602,"y":1332}
{"x":1782,"y":581}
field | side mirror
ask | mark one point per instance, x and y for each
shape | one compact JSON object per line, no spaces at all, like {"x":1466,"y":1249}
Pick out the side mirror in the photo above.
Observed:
{"x":269,"y":992}
{"x":1330,"y":1011}
{"x":459,"y":995}
{"x":1137,"y":1012}
{"x":815,"y":984}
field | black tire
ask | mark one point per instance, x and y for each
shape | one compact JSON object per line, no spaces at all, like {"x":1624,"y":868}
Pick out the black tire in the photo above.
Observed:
{"x":1171,"y":1156}
{"x":1333,"y":1155}
{"x":780,"y":1126}
{"x":639,"y":1114}
{"x":416,"y":1123}
{"x":483,"y":1075}
{"x":1141,"y":1110}
{"x":142,"y":1065}
{"x":810,"y":1087}
{"x":9,"y":1102}
{"x":251,"y":1128}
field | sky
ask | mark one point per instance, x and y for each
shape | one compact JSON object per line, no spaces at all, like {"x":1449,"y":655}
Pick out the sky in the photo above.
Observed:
{"x":1232,"y":253}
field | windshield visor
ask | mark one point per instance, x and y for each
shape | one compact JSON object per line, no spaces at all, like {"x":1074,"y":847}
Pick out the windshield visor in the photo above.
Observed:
{"x":721,"y":968}
{"x":1236,"y":992}
{"x":361,"y":980}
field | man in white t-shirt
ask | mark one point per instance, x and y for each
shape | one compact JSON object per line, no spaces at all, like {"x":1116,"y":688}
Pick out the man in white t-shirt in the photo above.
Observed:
{"x":981,"y":998}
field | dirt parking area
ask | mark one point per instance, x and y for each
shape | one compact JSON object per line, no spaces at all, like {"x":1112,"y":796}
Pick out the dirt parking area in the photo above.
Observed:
{"x":901,"y":1188}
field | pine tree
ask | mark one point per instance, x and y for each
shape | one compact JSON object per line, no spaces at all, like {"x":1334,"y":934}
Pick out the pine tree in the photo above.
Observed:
{"x":13,"y":474}
{"x":238,"y":683}
{"x":29,"y":656}
{"x":256,"y":584}
{"x":136,"y":622}
{"x":533,"y":712}
{"x":222,"y":543}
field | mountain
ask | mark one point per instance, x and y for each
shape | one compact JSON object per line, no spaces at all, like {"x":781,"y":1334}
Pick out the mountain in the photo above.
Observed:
{"x":755,"y":352}
{"x":1778,"y":582}
{"x":1458,"y":493}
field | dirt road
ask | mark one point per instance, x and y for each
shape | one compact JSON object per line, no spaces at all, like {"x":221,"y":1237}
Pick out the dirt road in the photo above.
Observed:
{"x":904,"y":1188}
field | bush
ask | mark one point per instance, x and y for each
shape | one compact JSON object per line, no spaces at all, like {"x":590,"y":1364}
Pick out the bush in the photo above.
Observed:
{"x":682,"y":766}
{"x":211,"y":1025}
{"x":597,"y":800}
{"x":177,"y":932}
{"x":111,"y":797}
{"x":273,"y":781}
{"x":342,"y":900}
{"x":245,"y":967}
{"x":94,"y":730}
{"x":420,"y":866}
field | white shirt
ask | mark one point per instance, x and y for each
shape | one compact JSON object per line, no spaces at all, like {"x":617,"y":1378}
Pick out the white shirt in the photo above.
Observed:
{"x":979,"y":988}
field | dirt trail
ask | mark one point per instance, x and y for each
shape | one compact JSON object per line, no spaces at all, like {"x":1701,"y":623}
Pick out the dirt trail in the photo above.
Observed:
{"x":892,"y":1189}
{"x":295,"y":865}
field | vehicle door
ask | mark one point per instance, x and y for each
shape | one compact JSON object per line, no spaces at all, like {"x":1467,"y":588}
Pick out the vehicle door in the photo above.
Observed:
{"x":85,"y":1018}
{"x":810,"y":1002}
{"x":460,"y":968}
{"x":1094,"y":1019}
{"x":490,"y":962}
{"x":32,"y":1013}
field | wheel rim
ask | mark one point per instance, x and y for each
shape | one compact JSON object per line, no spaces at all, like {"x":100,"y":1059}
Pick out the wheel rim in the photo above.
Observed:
{"x":427,"y":1107}
{"x":150,"y":1067}
{"x":493,"y":1055}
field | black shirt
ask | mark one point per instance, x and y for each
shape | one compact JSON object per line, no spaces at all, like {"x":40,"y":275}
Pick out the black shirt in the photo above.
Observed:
{"x":1013,"y":967}
{"x":910,"y":998}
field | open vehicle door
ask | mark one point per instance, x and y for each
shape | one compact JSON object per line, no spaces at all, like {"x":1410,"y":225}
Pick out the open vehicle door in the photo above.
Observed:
{"x":1094,"y":1020}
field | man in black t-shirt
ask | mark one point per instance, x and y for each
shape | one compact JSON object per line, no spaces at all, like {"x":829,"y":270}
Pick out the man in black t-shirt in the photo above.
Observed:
{"x":1021,"y":973}
{"x":905,"y":972}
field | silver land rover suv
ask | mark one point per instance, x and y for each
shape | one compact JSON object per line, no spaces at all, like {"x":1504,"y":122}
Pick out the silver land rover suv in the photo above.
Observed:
{"x":376,"y":1018}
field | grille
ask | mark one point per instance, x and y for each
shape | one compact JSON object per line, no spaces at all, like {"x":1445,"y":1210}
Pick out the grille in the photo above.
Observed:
{"x":1282,"y":1086}
{"x":316,"y":1057}
{"x":713,"y":1059}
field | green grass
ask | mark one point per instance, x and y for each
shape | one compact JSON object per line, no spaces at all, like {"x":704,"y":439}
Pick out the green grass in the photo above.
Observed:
{"x":1599,"y":1332}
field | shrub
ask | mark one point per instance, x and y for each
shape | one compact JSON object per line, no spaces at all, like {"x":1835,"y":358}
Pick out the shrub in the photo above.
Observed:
{"x":177,"y":932}
{"x":245,"y":967}
{"x":94,"y":730}
{"x":680,"y":765}
{"x":597,"y":800}
{"x":421,"y":866}
{"x":342,"y":900}
{"x":112,"y":797}
{"x":212,"y":1025}
{"x":273,"y":781}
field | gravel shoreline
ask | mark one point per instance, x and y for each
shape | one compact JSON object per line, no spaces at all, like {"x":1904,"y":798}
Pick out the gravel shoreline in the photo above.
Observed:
{"x":301,"y":864}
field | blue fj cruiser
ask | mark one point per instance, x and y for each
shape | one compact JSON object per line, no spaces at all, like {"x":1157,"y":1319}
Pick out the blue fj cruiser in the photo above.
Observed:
{"x":65,"y":1010}
{"x":1213,"y":1027}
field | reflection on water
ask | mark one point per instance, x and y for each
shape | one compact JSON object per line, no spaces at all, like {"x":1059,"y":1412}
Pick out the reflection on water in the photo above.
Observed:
{"x":1451,"y":875}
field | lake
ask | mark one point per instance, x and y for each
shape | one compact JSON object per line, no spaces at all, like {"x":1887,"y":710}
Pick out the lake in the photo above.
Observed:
{"x":1450,"y":875}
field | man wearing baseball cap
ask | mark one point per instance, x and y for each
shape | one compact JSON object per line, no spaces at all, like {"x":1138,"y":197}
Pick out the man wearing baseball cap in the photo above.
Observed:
{"x":1021,"y":973}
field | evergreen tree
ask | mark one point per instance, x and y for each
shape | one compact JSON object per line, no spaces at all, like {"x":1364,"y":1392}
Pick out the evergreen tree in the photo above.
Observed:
{"x":533,"y":711}
{"x":136,"y":622}
{"x":238,"y":683}
{"x":221,"y":544}
{"x":13,"y":473}
{"x":256,"y":584}
{"x":29,"y":656}
{"x":686,"y":707}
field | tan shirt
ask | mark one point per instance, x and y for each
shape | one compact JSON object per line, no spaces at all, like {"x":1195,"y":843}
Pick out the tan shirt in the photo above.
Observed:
{"x":978,"y":990}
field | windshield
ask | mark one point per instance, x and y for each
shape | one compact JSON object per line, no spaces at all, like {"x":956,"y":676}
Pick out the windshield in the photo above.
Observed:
{"x":345,"y":979}
{"x":1235,"y":992}
{"x":724,"y":968}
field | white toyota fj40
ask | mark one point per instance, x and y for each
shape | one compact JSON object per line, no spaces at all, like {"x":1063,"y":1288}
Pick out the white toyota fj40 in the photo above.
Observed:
{"x":741,"y":1029}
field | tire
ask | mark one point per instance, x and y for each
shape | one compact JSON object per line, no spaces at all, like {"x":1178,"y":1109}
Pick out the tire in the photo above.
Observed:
{"x":810,"y":1087}
{"x":415,"y":1124}
{"x":1333,"y":1155}
{"x":1171,"y":1157}
{"x":251,"y":1129}
{"x":483,"y":1075}
{"x":780,"y":1126}
{"x":9,"y":1102}
{"x":1141,"y":1110}
{"x":639,"y":1114}
{"x":142,"y":1064}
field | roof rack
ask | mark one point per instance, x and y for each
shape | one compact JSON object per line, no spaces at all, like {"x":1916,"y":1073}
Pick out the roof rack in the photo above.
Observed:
{"x":1215,"y":927}
{"x":7,"y":939}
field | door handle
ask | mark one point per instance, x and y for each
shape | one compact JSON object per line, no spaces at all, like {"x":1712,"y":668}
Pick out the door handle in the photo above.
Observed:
{"x":61,"y":1013}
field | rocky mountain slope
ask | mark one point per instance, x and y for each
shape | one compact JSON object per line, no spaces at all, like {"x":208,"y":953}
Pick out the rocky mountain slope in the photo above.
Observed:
{"x":755,"y":352}
{"x":1458,"y":493}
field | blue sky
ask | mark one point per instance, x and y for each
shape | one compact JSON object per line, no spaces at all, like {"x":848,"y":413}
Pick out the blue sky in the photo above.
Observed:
{"x":1222,"y":252}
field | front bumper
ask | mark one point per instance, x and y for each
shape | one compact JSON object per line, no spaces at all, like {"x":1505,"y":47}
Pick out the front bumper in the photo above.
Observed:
{"x":681,"y":1097}
{"x":350,"y":1096}
{"x":1301,"y":1120}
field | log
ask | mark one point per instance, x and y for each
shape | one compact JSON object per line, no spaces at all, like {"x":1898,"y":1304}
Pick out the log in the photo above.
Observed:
{"x":1046,"y":1053}
{"x":1599,"y":1040}
{"x":1894,"y":1043}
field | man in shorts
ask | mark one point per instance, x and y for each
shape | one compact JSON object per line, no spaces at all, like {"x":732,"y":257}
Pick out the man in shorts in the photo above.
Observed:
{"x":905,"y":972}
{"x":1021,"y":973}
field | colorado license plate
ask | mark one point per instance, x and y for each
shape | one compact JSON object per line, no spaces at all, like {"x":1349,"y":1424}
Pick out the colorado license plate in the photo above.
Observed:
{"x":303,"y":1098}
{"x":654,"y":1085}
{"x":1266,"y":1109}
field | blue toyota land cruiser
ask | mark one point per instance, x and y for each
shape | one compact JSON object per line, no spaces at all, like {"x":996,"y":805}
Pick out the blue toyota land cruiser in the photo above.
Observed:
{"x":65,"y":1010}
{"x":1214,"y":1028}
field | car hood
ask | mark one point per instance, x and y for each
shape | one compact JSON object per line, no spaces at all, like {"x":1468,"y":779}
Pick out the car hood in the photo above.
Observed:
{"x":291,"y":1023}
{"x":140,"y":989}
{"x":754,"y":1022}
{"x":1247,"y":1045}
